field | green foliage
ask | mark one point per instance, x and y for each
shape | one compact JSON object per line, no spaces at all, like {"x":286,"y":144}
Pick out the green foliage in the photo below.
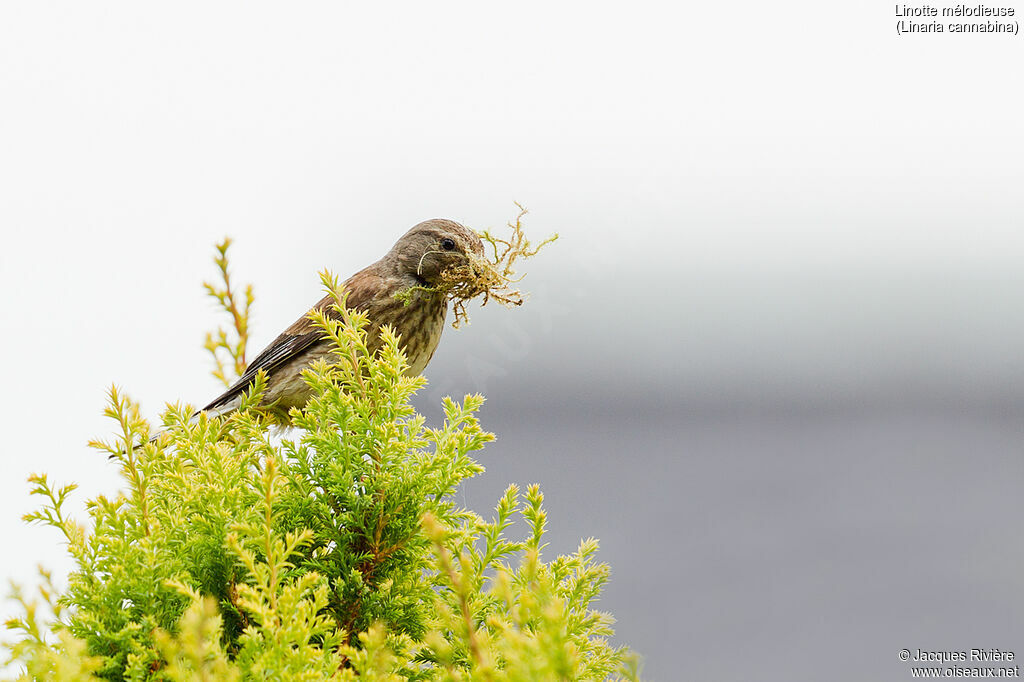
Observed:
{"x":233,"y":341}
{"x":334,"y":552}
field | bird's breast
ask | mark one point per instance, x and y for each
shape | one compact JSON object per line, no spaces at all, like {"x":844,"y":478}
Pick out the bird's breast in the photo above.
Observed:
{"x":420,"y":325}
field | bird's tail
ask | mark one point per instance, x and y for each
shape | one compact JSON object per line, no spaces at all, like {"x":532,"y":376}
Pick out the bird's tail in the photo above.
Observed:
{"x":219,"y":411}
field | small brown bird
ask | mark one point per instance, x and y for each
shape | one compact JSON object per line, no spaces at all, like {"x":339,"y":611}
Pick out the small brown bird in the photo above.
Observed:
{"x":418,"y":259}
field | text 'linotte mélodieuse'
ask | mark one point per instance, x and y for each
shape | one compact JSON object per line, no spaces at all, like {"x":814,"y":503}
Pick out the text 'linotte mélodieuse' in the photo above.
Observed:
{"x":961,"y":18}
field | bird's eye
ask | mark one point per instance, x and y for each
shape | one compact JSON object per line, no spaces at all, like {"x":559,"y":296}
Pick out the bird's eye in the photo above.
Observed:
{"x":447,"y":244}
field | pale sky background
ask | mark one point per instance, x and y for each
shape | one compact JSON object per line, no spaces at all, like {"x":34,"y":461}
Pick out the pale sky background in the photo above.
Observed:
{"x":788,"y":288}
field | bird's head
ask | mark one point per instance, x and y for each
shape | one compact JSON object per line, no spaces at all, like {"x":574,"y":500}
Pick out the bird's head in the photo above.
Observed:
{"x":442,"y":258}
{"x":435,"y":246}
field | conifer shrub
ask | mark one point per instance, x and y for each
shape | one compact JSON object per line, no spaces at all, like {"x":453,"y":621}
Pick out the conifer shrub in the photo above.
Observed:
{"x":334,"y":551}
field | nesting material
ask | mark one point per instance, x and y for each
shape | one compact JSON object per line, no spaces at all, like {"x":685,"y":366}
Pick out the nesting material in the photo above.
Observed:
{"x":492,"y":276}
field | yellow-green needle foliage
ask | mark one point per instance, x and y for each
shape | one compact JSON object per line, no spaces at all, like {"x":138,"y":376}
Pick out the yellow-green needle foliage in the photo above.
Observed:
{"x":334,"y":552}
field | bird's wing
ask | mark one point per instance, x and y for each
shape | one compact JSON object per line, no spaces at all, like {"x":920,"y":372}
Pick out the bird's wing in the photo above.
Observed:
{"x":302,"y":334}
{"x":298,"y":337}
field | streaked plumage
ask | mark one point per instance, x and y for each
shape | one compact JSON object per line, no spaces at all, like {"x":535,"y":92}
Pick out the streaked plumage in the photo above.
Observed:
{"x":417,"y":259}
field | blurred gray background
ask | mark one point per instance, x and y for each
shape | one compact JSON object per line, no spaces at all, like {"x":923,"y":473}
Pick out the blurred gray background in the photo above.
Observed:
{"x":777,"y":500}
{"x":773,"y":363}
